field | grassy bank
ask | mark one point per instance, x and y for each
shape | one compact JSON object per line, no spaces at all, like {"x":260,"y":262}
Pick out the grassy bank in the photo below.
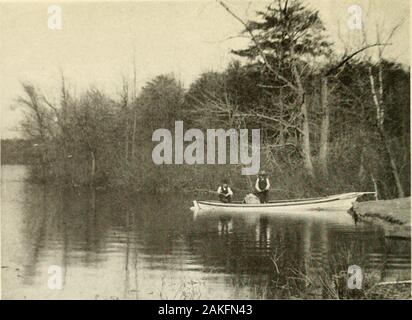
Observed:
{"x":394,"y":216}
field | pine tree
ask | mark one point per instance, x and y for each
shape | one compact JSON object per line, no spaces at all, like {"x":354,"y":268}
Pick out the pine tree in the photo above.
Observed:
{"x":288,"y":41}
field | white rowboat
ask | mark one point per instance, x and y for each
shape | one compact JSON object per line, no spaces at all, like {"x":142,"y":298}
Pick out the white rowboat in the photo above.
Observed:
{"x":339,"y":202}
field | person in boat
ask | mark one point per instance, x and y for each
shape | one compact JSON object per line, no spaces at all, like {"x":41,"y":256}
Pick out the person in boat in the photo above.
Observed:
{"x":225,"y":192}
{"x":262,"y":186}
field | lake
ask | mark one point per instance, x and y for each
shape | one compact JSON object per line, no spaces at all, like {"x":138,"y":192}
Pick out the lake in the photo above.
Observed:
{"x":113,"y":245}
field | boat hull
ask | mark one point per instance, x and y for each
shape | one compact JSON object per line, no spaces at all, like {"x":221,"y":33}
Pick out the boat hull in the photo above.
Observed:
{"x":341,"y":202}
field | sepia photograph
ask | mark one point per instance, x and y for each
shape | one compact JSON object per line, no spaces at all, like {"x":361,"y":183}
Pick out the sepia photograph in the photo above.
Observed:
{"x":205,"y":150}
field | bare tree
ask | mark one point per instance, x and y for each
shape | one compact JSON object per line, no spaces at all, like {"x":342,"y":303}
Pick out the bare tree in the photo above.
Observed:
{"x":377,"y":92}
{"x":124,"y":95}
{"x":325,"y":106}
{"x":295,"y":81}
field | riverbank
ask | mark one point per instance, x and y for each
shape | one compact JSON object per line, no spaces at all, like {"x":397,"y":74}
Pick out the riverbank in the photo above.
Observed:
{"x":394,"y":216}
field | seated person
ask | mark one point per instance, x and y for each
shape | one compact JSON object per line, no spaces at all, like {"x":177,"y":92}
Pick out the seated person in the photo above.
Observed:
{"x":225,"y":193}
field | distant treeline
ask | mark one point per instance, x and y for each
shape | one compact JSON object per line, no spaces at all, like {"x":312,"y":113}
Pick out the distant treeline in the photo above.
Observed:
{"x":17,"y":151}
{"x":329,"y":123}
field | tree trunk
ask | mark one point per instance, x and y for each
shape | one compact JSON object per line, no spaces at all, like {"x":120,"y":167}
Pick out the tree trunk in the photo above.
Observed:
{"x":306,"y":150}
{"x":375,"y":186}
{"x":307,"y":158}
{"x":134,"y":134}
{"x":380,"y":114}
{"x":324,"y":131}
{"x":126,"y":149}
{"x":394,"y":168}
{"x":362,"y":171}
{"x":93,"y":166}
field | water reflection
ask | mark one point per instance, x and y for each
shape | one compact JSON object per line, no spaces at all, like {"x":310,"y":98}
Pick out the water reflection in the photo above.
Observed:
{"x":112,"y":245}
{"x":263,"y":232}
{"x":225,"y":225}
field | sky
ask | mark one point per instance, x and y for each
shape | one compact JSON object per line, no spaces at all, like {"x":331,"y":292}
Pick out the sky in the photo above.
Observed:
{"x":98,"y":42}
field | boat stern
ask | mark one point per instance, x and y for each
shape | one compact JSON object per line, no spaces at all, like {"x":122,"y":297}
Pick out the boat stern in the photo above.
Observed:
{"x":195,"y":207}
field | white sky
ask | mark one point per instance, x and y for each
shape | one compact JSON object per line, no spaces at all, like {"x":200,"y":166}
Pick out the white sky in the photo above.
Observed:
{"x":98,"y":40}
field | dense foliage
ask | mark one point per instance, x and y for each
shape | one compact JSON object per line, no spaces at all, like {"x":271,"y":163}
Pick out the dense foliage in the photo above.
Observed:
{"x":325,"y":129}
{"x":17,"y":151}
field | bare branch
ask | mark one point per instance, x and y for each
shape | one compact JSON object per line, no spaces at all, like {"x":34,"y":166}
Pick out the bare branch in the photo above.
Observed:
{"x":347,"y":58}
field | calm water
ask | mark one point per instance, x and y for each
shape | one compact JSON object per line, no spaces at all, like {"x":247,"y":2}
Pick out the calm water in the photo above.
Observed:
{"x":113,"y":247}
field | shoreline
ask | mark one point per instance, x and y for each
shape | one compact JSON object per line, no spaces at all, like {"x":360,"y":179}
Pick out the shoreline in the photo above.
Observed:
{"x":394,"y":216}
